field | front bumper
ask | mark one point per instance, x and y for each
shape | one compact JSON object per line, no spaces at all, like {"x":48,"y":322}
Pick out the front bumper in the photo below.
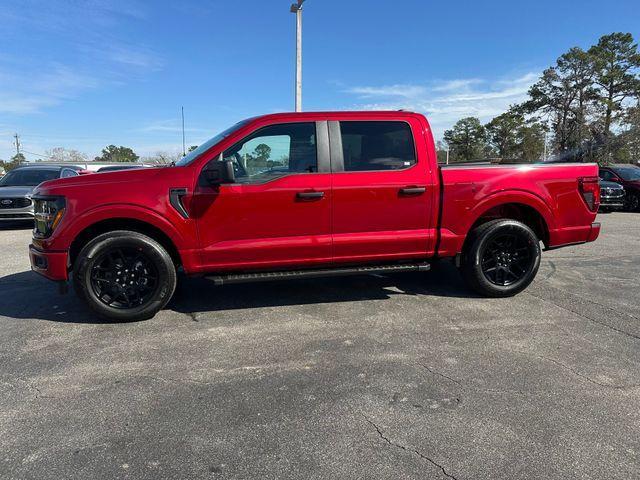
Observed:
{"x":20,"y":213}
{"x":612,"y":202}
{"x":52,"y":265}
{"x":15,"y":214}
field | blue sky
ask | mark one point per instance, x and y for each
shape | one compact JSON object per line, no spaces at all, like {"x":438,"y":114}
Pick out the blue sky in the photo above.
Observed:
{"x":84,"y":74}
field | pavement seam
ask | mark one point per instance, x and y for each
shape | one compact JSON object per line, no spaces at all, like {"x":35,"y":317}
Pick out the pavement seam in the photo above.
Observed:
{"x":578,"y":374}
{"x":582,"y":315}
{"x":406,"y":449}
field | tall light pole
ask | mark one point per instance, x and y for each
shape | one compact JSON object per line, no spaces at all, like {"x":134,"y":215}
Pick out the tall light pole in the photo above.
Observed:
{"x":297,"y":9}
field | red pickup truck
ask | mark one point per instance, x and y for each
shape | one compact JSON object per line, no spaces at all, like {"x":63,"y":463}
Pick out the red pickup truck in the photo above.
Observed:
{"x":294,"y":195}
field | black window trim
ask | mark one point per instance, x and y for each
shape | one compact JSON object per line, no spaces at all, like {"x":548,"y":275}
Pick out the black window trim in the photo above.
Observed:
{"x":322,"y":151}
{"x":337,"y":154}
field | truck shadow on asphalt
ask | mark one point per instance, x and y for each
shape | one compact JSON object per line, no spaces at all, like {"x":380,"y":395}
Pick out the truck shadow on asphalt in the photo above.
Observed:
{"x":26,"y":295}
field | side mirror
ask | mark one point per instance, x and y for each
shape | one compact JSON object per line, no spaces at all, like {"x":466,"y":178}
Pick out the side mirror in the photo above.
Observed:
{"x":219,"y":172}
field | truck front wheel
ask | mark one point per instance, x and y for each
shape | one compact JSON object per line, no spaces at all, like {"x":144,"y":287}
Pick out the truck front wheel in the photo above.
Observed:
{"x":124,"y":276}
{"x":501,"y":258}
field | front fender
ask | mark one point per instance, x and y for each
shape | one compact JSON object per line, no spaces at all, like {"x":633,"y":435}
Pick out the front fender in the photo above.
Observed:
{"x":79,"y":222}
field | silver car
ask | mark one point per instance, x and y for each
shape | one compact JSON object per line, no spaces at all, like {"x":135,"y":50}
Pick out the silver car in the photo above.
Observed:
{"x":17,"y":186}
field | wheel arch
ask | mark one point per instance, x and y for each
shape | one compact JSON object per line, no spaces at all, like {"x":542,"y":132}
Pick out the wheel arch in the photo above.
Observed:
{"x":123,"y":223}
{"x":521,"y":206}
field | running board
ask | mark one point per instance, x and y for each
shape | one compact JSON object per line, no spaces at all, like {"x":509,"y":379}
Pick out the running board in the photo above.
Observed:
{"x":325,"y":272}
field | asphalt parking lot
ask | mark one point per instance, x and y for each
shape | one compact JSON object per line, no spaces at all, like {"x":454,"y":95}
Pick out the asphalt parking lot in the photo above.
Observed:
{"x":404,"y":376}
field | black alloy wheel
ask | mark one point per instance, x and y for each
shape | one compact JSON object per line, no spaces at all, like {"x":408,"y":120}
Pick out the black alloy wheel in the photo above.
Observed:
{"x":500,"y":258}
{"x":124,"y":278}
{"x":506,"y":259}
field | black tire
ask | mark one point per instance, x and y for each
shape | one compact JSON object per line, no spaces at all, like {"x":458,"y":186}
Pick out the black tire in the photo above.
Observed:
{"x":124,"y":276}
{"x":501,"y":258}
{"x":632,"y":202}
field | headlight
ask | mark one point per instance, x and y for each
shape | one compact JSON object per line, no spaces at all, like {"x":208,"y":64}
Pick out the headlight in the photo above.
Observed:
{"x":48,"y":212}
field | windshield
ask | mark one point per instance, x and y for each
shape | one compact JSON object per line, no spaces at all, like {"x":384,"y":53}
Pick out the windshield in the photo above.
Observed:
{"x":191,"y":156}
{"x":629,"y":173}
{"x":28,"y":177}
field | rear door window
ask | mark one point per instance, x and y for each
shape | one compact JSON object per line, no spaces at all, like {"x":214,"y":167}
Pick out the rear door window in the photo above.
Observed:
{"x":376,"y":145}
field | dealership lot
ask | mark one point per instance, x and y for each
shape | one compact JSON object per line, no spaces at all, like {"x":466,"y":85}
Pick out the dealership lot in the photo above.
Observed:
{"x":403,"y":376}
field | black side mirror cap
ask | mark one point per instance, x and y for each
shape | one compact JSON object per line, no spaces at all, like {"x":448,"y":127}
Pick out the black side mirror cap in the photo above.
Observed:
{"x":219,"y":172}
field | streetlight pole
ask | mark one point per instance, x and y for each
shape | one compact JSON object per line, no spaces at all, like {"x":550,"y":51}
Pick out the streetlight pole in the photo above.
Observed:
{"x":297,"y":9}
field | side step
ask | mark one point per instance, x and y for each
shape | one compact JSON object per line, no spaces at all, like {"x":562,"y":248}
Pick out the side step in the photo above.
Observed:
{"x":325,"y":272}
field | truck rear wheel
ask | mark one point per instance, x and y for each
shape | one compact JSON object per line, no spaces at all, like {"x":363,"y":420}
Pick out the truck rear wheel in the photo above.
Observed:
{"x":124,"y":276}
{"x":501,"y":258}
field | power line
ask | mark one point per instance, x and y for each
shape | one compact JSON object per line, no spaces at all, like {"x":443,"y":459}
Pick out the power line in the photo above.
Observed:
{"x":36,"y":154}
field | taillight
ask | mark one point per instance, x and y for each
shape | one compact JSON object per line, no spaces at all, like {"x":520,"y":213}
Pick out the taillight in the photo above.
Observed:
{"x":590,"y":190}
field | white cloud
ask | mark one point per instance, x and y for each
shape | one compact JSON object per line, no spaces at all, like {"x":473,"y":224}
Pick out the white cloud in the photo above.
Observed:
{"x":169,"y":126}
{"x":453,"y":85}
{"x":86,"y":34}
{"x":446,"y":101}
{"x":136,"y":57}
{"x":30,"y":94}
{"x":403,"y":91}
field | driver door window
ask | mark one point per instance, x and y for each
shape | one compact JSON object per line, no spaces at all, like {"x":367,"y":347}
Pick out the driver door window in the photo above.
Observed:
{"x":273,"y":152}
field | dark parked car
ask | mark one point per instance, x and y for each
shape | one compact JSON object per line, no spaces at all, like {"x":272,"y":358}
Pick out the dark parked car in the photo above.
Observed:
{"x":114,"y":168}
{"x":611,"y":196}
{"x":17,"y":186}
{"x":629,"y":177}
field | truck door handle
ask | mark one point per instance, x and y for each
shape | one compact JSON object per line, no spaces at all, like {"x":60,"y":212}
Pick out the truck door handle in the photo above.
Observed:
{"x":412,"y":190}
{"x":309,"y":195}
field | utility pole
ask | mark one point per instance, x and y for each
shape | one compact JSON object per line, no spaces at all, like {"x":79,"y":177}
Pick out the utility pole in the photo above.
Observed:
{"x":297,"y":9}
{"x":184,"y":148}
{"x":17,"y":142}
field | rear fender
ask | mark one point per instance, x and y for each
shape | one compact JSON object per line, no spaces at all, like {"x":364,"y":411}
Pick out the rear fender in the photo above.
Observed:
{"x":455,"y":229}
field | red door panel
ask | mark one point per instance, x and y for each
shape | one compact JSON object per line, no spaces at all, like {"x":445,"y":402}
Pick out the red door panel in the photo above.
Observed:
{"x":384,"y":214}
{"x":265,"y":225}
{"x":373,"y":219}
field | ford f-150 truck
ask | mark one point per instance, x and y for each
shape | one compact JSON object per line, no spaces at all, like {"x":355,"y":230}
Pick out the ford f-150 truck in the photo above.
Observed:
{"x":295,"y":195}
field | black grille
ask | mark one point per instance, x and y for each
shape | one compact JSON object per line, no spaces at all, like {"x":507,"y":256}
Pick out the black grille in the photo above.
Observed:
{"x":612,"y":192}
{"x":15,"y":216}
{"x":19,"y":202}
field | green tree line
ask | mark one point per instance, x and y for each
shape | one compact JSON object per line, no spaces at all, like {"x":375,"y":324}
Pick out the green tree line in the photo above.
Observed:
{"x":587,"y":105}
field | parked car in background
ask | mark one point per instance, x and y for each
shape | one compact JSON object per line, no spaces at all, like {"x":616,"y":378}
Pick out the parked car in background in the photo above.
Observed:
{"x":17,"y":186}
{"x":628,"y":176}
{"x":611,"y":196}
{"x":114,"y":168}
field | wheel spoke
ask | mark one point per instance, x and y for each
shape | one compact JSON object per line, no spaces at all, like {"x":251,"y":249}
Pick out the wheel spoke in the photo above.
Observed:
{"x":124,"y":278}
{"x":507,"y":258}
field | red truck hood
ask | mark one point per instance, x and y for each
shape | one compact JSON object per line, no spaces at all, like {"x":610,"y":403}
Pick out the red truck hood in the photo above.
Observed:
{"x":63,"y":186}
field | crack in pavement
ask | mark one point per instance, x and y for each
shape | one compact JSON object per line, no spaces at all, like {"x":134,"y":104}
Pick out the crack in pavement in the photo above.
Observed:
{"x":435,"y":372}
{"x":406,"y":449}
{"x":581,"y":375}
{"x":586,"y":317}
{"x":466,"y":386}
{"x":607,"y":307}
